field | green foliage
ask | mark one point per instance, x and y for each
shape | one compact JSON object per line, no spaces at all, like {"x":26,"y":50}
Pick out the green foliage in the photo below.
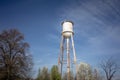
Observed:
{"x":39,"y":75}
{"x":55,"y":75}
{"x":43,"y":74}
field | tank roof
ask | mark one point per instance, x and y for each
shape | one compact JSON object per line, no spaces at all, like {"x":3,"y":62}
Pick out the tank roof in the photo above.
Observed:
{"x":67,"y":21}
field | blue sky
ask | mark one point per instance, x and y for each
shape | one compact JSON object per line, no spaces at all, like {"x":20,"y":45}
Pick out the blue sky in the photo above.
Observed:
{"x":96,"y":27}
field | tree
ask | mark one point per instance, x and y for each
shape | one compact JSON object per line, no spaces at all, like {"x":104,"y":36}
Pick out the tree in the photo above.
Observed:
{"x":85,"y":72}
{"x":110,"y":67}
{"x":65,"y":76}
{"x":39,"y":75}
{"x":43,"y":74}
{"x":55,"y":75}
{"x":16,"y":62}
{"x":96,"y":75}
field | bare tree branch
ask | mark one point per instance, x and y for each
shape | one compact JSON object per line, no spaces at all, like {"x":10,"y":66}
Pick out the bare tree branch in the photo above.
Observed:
{"x":110,"y":67}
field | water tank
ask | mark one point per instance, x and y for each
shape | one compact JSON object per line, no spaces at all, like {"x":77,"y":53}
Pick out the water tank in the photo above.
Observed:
{"x":67,"y":28}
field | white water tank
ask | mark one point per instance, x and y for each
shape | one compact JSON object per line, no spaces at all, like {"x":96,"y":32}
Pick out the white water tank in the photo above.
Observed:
{"x":67,"y":29}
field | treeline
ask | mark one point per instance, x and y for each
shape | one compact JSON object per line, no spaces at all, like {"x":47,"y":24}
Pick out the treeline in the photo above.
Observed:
{"x":85,"y":72}
{"x":45,"y":74}
{"x":107,"y":71}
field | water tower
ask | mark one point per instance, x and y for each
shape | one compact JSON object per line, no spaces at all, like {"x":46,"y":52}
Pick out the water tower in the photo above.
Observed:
{"x":67,"y":48}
